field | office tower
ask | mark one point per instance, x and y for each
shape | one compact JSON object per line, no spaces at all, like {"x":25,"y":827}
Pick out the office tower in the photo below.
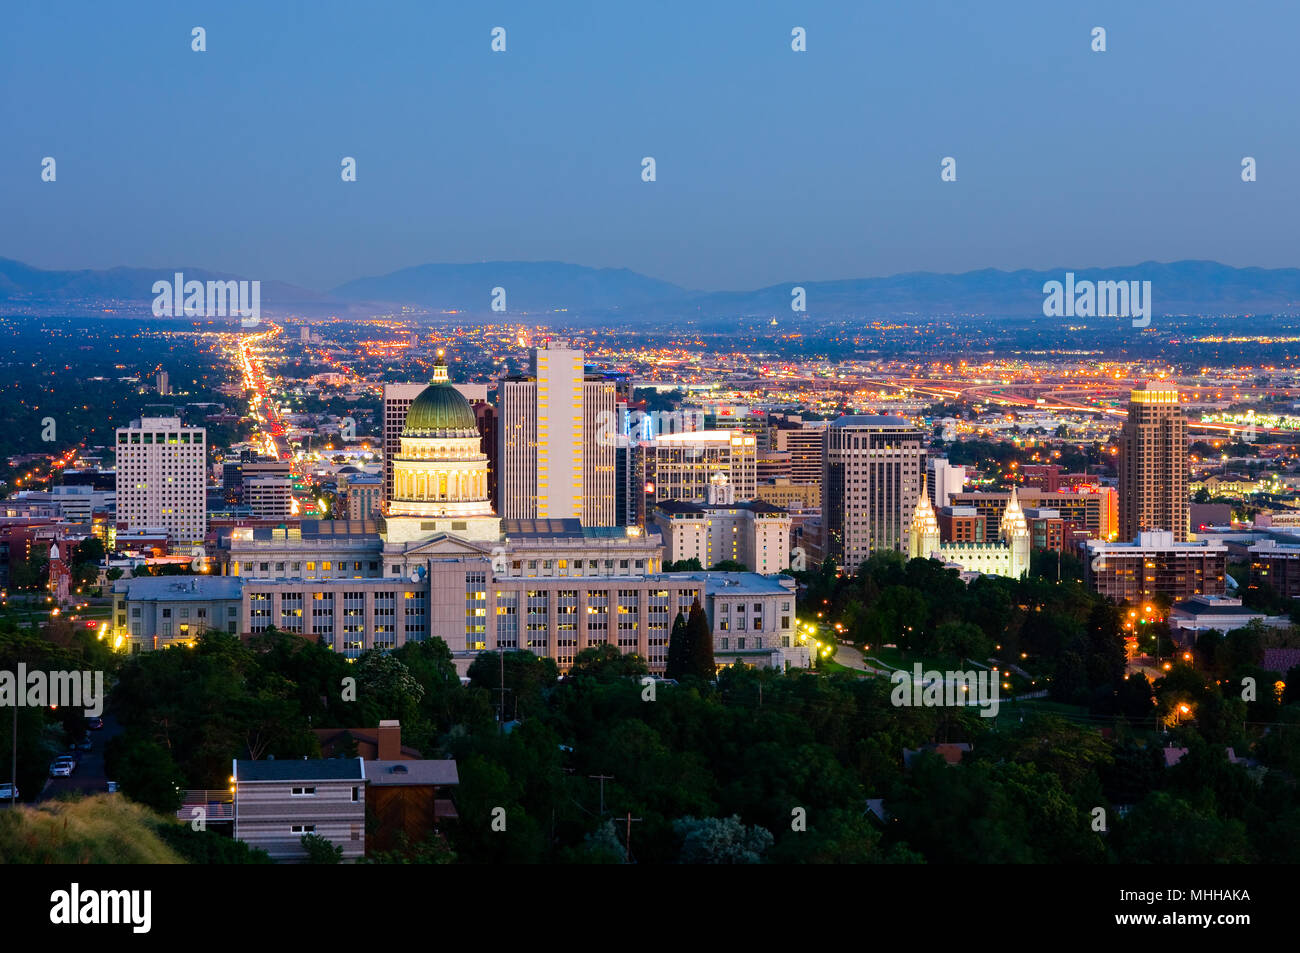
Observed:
{"x":1093,"y":510}
{"x":1154,"y":562}
{"x":304,"y":334}
{"x":397,"y":400}
{"x":164,"y":384}
{"x":1044,"y":476}
{"x":871,"y":479}
{"x":485,"y":416}
{"x":557,"y":441}
{"x":773,"y":465}
{"x":599,"y":452}
{"x":625,"y":511}
{"x":269,"y":496}
{"x":757,"y":535}
{"x":161,"y":483}
{"x":1153,"y":464}
{"x":235,"y":473}
{"x":751,"y":420}
{"x":945,"y":480}
{"x":683,"y":466}
{"x":803,"y":441}
{"x":361,"y":494}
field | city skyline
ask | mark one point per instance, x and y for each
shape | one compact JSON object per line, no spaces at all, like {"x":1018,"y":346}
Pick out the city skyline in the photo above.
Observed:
{"x":772,"y":159}
{"x":676,"y":435}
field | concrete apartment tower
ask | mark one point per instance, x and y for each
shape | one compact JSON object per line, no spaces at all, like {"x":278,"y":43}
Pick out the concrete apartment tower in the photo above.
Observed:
{"x":557,"y":432}
{"x":1153,"y":464}
{"x":871,"y":481}
{"x":162,"y":479}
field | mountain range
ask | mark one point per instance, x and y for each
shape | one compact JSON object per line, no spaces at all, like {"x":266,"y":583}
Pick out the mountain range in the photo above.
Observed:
{"x":602,"y":294}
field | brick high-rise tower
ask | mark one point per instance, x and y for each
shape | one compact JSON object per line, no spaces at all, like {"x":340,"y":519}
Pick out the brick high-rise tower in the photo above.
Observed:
{"x":1153,"y":464}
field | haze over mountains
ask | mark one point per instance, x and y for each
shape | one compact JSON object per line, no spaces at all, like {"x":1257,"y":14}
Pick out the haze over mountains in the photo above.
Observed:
{"x":603,"y":294}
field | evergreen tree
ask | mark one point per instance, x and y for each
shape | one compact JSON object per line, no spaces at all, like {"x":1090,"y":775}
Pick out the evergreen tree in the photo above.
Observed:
{"x":699,"y":645}
{"x":677,"y":649}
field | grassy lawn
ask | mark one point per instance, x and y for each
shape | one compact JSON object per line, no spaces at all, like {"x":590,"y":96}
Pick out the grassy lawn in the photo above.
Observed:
{"x":830,"y":667}
{"x":897,"y":658}
{"x":1041,"y":706}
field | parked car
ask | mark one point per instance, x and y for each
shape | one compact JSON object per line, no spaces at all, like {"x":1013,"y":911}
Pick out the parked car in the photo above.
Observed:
{"x":85,"y":744}
{"x":9,"y":792}
{"x":61,"y":769}
{"x":95,"y":724}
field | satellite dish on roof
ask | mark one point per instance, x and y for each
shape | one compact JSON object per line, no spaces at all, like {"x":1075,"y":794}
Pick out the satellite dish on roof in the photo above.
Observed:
{"x":417,"y":574}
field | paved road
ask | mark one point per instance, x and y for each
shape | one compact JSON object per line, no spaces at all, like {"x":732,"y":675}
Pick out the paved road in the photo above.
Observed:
{"x":89,"y":777}
{"x":851,"y":657}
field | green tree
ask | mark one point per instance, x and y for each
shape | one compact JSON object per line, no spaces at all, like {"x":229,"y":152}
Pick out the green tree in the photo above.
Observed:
{"x":685,"y":565}
{"x":605,"y":663}
{"x":721,"y":840}
{"x":321,"y":850}
{"x":1166,"y":829}
{"x":675,"y":667}
{"x":432,"y":850}
{"x":730,"y":565}
{"x":528,"y":679}
{"x":699,"y":644}
{"x":386,"y":689}
{"x":145,"y":772}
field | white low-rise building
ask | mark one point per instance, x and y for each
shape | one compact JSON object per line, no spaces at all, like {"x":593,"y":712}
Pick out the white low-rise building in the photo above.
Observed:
{"x":754,"y":534}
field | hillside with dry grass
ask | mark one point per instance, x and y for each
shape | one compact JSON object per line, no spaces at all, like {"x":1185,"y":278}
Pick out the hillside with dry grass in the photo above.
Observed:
{"x":109,"y":829}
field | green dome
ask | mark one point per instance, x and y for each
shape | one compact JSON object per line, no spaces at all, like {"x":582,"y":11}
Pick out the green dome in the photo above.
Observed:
{"x":440,"y":411}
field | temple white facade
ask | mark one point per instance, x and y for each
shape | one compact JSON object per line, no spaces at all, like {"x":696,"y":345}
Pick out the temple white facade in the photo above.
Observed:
{"x":1007,"y":557}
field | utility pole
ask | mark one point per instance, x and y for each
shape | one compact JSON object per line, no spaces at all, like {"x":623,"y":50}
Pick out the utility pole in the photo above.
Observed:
{"x":602,"y":778}
{"x":501,"y":690}
{"x":13,"y":763}
{"x":628,"y":840}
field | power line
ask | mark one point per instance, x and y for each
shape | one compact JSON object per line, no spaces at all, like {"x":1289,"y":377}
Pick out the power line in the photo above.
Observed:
{"x":602,"y":778}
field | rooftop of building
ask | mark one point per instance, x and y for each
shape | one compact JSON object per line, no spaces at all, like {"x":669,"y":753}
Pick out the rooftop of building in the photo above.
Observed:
{"x":758,"y":507}
{"x":1155,"y":541}
{"x":543,"y":529}
{"x":311,"y":530}
{"x":870,"y":420}
{"x":396,"y":773}
{"x":180,"y":588}
{"x":308,"y":769}
{"x":735,"y":583}
{"x":700,"y":436}
{"x":1214,"y":605}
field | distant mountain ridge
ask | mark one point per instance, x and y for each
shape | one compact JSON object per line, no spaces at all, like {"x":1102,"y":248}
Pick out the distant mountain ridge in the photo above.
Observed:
{"x":22,"y":284}
{"x":528,"y":286}
{"x":596,"y":294}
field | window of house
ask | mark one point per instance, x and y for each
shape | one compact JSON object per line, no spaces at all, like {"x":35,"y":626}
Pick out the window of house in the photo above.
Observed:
{"x":302,"y":792}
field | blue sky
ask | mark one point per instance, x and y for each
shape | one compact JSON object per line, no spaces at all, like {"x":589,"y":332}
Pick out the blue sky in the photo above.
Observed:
{"x":772,"y":165}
